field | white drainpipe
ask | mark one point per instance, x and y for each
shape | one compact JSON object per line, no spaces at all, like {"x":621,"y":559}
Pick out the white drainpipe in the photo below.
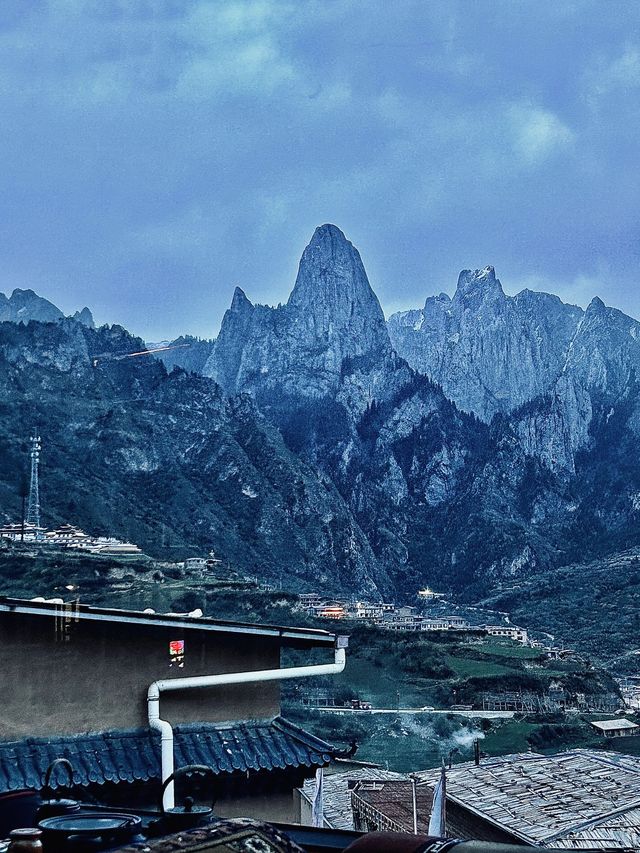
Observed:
{"x":171,"y":684}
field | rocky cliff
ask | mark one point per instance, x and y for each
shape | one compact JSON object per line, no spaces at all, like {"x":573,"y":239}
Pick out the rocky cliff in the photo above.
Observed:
{"x":300,"y":348}
{"x":319,"y":448}
{"x":489,"y":352}
{"x":438,"y":494}
{"x":167,"y":460}
{"x":25,"y":305}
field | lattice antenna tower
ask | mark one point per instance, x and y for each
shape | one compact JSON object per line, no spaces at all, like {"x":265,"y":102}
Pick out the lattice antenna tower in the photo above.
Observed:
{"x":33,"y":510}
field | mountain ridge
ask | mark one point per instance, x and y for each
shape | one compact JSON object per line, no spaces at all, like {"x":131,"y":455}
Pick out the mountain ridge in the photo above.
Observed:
{"x":510,"y":452}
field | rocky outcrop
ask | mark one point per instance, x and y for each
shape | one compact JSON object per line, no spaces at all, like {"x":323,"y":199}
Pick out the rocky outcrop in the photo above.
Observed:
{"x":300,"y":348}
{"x":490,"y":352}
{"x":438,"y":494}
{"x":85,"y":317}
{"x":130,"y":450}
{"x":25,"y":305}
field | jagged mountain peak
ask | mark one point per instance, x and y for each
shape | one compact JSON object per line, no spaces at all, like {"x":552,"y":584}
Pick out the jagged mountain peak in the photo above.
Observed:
{"x":20,"y":294}
{"x":332,"y":316}
{"x":476,"y":284}
{"x":489,"y":352}
{"x":595,"y":307}
{"x":25,"y":305}
{"x":240,"y":300}
{"x":85,"y":317}
{"x":331,"y":273}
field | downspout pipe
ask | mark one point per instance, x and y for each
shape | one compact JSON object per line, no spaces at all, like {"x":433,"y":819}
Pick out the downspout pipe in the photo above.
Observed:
{"x":167,"y":685}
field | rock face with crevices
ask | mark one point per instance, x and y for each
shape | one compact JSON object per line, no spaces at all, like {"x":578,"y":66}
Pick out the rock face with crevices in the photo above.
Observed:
{"x":167,"y":461}
{"x":470,"y":498}
{"x":489,"y":352}
{"x":332,"y":316}
{"x":472,"y":443}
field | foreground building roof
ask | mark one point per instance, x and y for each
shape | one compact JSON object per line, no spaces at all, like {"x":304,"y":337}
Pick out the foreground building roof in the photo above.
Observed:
{"x":134,"y":755}
{"x":388,"y":806}
{"x":336,"y":793}
{"x":288,"y":636}
{"x":580,"y":799}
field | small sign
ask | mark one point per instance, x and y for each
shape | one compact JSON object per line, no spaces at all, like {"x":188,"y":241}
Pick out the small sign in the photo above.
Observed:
{"x":176,"y":653}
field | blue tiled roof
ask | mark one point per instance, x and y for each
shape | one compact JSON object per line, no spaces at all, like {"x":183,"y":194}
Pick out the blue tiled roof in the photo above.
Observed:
{"x":134,"y":755}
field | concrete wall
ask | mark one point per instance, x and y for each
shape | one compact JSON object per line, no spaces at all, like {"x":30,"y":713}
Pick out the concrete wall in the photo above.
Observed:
{"x":98,"y":679}
{"x":272,"y":807}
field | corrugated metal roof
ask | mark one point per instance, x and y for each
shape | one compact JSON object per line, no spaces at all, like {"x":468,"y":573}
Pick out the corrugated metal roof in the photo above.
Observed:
{"x":287,"y":635}
{"x":336,"y":795}
{"x":134,"y":755}
{"x":576,"y":795}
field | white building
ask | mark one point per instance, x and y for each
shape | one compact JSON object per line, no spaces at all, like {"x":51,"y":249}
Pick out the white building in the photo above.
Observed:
{"x":616,"y":728}
{"x":513,"y":632}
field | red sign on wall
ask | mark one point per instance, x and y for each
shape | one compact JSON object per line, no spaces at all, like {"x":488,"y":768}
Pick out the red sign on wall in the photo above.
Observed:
{"x":176,"y":653}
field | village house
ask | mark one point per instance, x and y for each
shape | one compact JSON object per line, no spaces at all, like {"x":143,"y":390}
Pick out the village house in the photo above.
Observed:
{"x":512,"y":632}
{"x":337,"y":787}
{"x":366,"y":610}
{"x":195,"y":564}
{"x":99,"y":686}
{"x":579,"y":799}
{"x":616,"y":728}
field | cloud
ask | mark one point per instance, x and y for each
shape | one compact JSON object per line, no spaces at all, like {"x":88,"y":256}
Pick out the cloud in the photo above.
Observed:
{"x":538,"y":133}
{"x":234,"y":47}
{"x":618,"y":74}
{"x":109,"y":53}
{"x":205,"y":140}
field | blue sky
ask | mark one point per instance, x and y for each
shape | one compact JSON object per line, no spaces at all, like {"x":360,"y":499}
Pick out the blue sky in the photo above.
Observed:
{"x":158,"y":152}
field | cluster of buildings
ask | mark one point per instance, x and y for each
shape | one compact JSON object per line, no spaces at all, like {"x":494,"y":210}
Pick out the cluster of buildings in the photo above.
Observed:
{"x":69,"y":537}
{"x":30,"y":529}
{"x":106,"y":691}
{"x":630,"y":689}
{"x":575,"y":800}
{"x":404,"y":617}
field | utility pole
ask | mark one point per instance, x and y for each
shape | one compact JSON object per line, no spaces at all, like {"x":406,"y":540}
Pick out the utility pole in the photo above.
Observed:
{"x":415,"y":805}
{"x":33,"y":511}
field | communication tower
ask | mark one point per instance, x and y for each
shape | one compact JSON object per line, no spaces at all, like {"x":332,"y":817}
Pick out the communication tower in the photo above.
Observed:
{"x":33,"y":510}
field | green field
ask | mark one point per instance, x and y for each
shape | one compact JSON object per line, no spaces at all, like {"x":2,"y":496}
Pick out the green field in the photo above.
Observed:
{"x":470,"y":667}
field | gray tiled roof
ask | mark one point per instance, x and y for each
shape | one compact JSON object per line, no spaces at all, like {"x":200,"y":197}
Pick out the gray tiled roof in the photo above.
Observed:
{"x":134,"y":755}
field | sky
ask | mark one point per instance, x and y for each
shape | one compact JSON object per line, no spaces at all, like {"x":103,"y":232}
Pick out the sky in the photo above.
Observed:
{"x":157,"y":153}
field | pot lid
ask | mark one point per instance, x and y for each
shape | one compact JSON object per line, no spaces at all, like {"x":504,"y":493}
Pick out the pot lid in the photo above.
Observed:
{"x":99,"y":823}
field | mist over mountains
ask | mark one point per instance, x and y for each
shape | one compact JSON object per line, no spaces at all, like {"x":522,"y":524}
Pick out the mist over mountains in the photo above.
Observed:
{"x":466,"y":444}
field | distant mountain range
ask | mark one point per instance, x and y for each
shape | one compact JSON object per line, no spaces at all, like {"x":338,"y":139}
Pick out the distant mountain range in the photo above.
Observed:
{"x":469,"y":444}
{"x":25,"y":305}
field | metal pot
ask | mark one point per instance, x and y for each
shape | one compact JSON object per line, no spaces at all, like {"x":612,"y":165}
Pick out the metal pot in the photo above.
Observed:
{"x":187,"y":815}
{"x":54,"y":806}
